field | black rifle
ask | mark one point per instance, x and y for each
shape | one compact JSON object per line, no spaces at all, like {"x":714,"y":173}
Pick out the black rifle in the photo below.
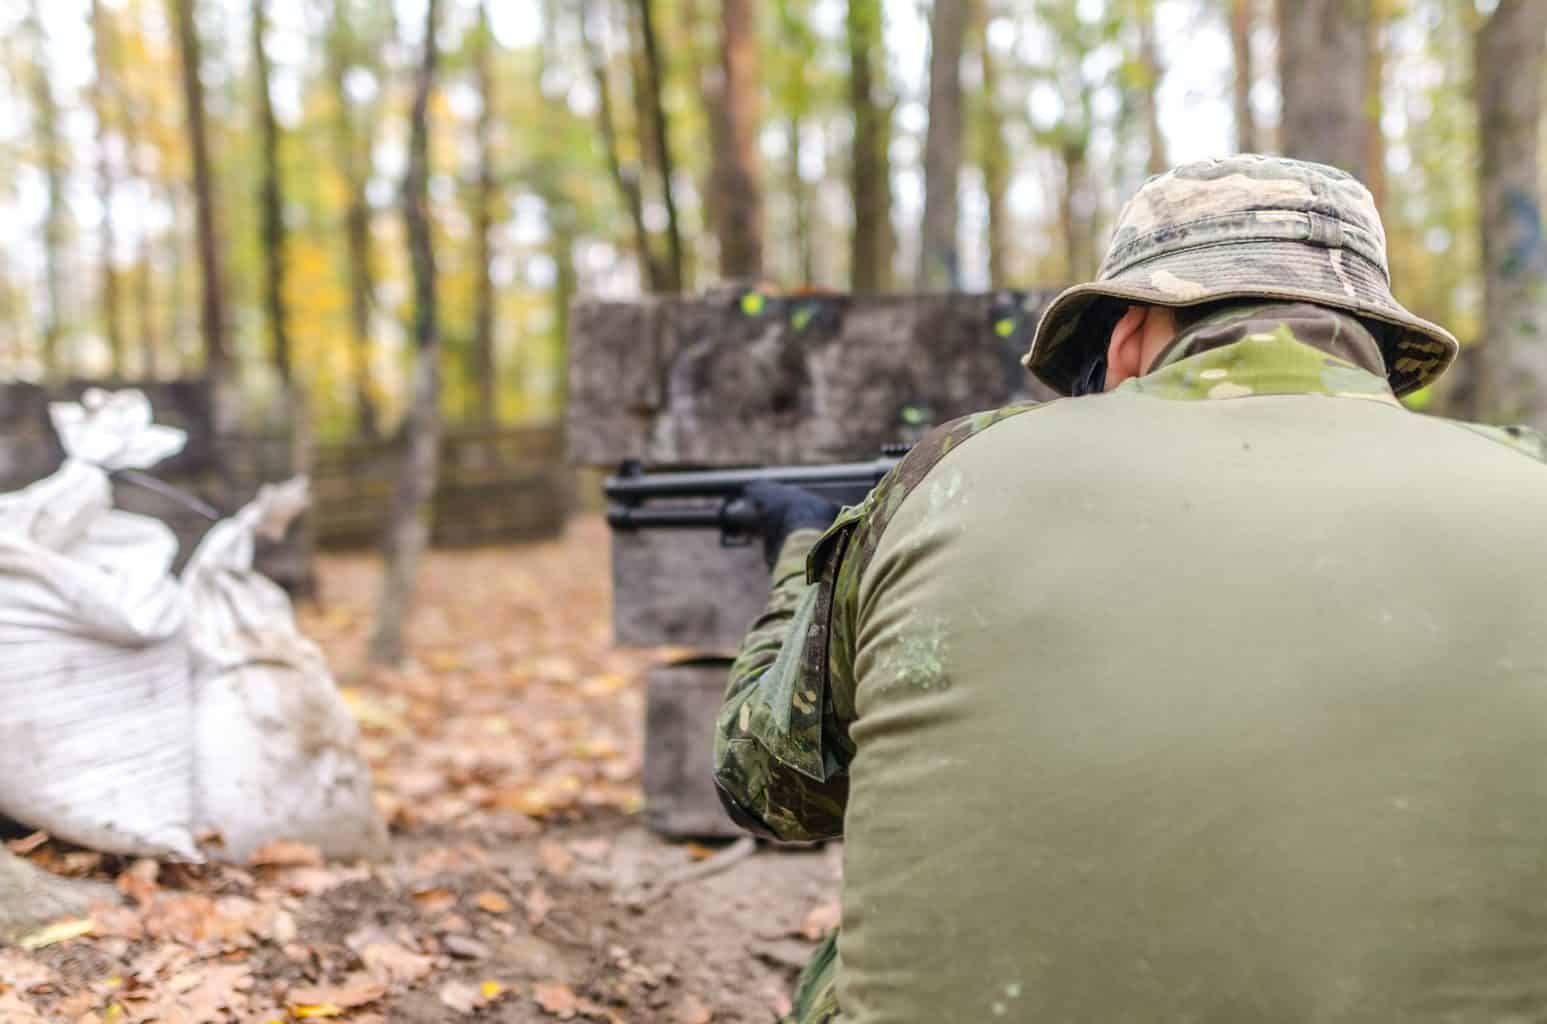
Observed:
{"x":713,"y":499}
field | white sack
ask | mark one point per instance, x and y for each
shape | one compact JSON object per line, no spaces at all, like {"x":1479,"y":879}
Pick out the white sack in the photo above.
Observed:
{"x":277,"y":749}
{"x":96,"y":706}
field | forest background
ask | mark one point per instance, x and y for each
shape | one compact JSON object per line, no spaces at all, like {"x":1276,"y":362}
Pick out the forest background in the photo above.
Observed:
{"x":226,"y":186}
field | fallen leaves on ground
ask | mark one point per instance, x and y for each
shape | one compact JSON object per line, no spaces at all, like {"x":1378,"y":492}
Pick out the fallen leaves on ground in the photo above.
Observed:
{"x":21,"y":973}
{"x":466,"y":997}
{"x":519,"y":724}
{"x":821,"y":920}
{"x":492,"y":902}
{"x":333,"y":1000}
{"x":59,"y":931}
{"x":691,"y":1010}
{"x":557,"y":999}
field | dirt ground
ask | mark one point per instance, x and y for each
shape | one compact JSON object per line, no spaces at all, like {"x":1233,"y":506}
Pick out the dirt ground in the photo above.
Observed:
{"x":522,"y":884}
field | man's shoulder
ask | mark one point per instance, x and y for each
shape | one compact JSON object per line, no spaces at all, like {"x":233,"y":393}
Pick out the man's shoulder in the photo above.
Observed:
{"x":1525,"y":440}
{"x":946,"y":438}
{"x":865,"y":523}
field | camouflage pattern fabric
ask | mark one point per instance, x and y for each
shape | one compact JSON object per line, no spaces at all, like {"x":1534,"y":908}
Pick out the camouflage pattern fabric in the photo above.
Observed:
{"x":770,"y":754}
{"x":1269,"y":349}
{"x":1247,"y":227}
{"x":816,"y":992}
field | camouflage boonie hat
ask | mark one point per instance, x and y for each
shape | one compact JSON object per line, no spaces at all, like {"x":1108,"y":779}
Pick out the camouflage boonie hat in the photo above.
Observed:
{"x":1247,"y":227}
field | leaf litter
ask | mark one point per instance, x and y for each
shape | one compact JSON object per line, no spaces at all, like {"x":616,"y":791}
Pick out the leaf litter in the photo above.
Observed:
{"x":507,"y":761}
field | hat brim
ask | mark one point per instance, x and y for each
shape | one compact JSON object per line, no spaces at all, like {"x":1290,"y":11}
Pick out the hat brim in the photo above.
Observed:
{"x":1416,"y":353}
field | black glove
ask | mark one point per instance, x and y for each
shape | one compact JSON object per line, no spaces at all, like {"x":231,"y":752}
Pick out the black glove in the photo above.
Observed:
{"x":786,"y":509}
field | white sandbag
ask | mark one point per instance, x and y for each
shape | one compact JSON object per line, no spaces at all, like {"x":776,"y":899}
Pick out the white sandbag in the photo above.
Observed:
{"x":96,"y":705}
{"x":277,"y":749}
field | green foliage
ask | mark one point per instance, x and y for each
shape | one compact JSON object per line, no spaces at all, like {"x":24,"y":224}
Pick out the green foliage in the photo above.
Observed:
{"x":1062,"y":142}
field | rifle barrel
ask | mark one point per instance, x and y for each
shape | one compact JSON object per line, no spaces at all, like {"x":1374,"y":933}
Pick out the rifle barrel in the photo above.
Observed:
{"x":734,"y":517}
{"x":727,"y":483}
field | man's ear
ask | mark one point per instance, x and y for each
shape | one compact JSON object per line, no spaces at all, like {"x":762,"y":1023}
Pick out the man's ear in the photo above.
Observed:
{"x":1125,"y":350}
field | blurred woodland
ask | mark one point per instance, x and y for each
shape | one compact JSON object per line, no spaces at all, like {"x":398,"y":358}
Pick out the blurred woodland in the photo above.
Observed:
{"x":295,"y":196}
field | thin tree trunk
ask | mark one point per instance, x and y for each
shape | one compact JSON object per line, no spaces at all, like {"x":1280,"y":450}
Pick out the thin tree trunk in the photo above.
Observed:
{"x":413,"y":507}
{"x":1374,"y":99}
{"x":145,"y":301}
{"x":561,"y":249}
{"x":354,"y":161}
{"x":939,"y":264}
{"x":1156,"y":160}
{"x":870,"y":163}
{"x":56,"y":219}
{"x":145,"y":263}
{"x":212,"y":304}
{"x":271,"y":205}
{"x":177,"y":328}
{"x":482,"y":366}
{"x":102,"y":95}
{"x":626,"y":177}
{"x":1509,"y":52}
{"x":1241,"y":20}
{"x":701,"y":60}
{"x":993,"y":155}
{"x":1073,"y":223}
{"x":559,"y":210}
{"x":802,"y":242}
{"x":793,"y":92}
{"x":733,"y":113}
{"x":654,"y":114}
{"x":1321,"y":72}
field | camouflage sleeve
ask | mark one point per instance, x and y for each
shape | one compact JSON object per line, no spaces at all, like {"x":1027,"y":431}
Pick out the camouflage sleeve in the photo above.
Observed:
{"x":781,"y":753}
{"x":782,"y":746}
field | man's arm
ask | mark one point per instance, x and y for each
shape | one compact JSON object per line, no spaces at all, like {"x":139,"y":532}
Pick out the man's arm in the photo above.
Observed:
{"x":781,"y":744}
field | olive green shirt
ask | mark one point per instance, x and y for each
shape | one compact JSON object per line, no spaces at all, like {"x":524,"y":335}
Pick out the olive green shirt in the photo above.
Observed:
{"x":1222,"y":696}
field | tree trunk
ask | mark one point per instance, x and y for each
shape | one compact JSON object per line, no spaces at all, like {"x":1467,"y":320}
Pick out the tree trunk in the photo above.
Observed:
{"x":625,"y":176}
{"x":1509,"y":51}
{"x":56,"y":219}
{"x":1241,"y":20}
{"x":1375,"y":16}
{"x":939,"y":266}
{"x":482,"y":366}
{"x":102,"y":95}
{"x":993,"y":154}
{"x":1156,"y":160}
{"x":1321,"y":72}
{"x":870,"y":175}
{"x":409,"y":527}
{"x":566,"y":284}
{"x":271,"y":205}
{"x":212,"y":305}
{"x":702,"y":61}
{"x":802,"y":243}
{"x":353,"y":161}
{"x":653,"y":113}
{"x":792,"y":89}
{"x":733,"y":114}
{"x":145,"y":264}
{"x":559,"y":210}
{"x":31,"y":897}
{"x":1074,"y":222}
{"x":178,"y":327}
